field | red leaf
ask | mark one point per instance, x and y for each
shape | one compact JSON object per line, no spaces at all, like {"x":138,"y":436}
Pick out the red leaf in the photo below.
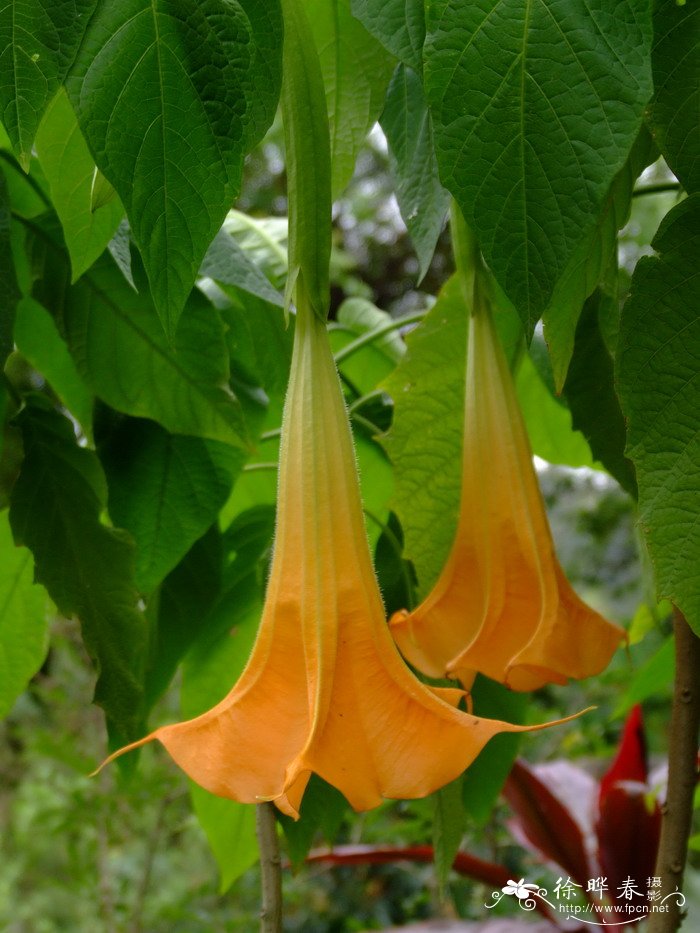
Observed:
{"x":546,"y":822}
{"x":630,"y":763}
{"x":628,"y":836}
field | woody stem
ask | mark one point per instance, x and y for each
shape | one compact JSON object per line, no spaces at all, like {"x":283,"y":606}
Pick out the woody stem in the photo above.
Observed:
{"x":270,"y":868}
{"x":682,"y":774}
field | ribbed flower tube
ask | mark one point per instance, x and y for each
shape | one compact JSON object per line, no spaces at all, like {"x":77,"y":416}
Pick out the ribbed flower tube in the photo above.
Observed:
{"x":502,"y":605}
{"x":325,"y":689}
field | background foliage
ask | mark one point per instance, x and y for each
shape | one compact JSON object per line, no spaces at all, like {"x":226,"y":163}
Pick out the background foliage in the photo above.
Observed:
{"x":141,"y":415}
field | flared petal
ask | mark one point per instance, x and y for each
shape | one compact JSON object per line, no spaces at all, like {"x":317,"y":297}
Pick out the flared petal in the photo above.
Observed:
{"x":325,"y":689}
{"x":502,"y":605}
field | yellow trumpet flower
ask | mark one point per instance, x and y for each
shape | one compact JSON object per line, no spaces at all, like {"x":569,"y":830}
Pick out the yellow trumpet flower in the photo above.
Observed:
{"x":325,"y":689}
{"x":502,"y":605}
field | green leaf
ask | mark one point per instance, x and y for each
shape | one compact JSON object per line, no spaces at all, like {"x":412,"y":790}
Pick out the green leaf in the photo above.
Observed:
{"x":425,"y":441}
{"x":356,"y":70}
{"x":26,"y":192}
{"x":398,"y":24}
{"x":23,"y":619}
{"x":102,"y":192}
{"x":658,"y":381}
{"x":449,"y":824}
{"x":86,"y":567}
{"x":484,"y":778}
{"x":70,"y":171}
{"x":675,"y":62}
{"x":39,"y":341}
{"x":183,"y":604}
{"x":653,"y":679}
{"x":39,"y":39}
{"x":121,"y":351}
{"x":535,"y":107}
{"x":592,"y":260}
{"x":227,"y":264}
{"x":230,"y":831}
{"x":549,"y":423}
{"x":422,"y":200}
{"x":165,"y":490}
{"x":264,"y":241}
{"x":9,"y":287}
{"x":322,"y":808}
{"x":307,"y":145}
{"x":170,"y":98}
{"x":590,"y":392}
{"x":260,"y":346}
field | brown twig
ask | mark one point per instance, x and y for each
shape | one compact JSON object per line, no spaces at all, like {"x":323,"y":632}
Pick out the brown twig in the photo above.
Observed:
{"x":682,"y":776}
{"x":270,"y":869}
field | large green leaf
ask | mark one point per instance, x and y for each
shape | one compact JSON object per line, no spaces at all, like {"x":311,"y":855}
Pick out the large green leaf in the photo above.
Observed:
{"x":86,"y":567}
{"x":39,"y":341}
{"x":122,"y":352}
{"x":182,"y":608}
{"x":408,"y":126}
{"x":658,"y":380}
{"x":165,"y":490}
{"x":674,"y":112}
{"x":591,"y":260}
{"x":170,"y":97}
{"x":39,"y":40}
{"x":536,"y":104}
{"x":590,"y":392}
{"x":23,"y":619}
{"x":356,"y":70}
{"x":70,"y":170}
{"x":398,"y":24}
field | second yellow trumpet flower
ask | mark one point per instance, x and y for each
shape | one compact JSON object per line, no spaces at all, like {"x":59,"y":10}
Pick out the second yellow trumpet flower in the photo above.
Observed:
{"x":502,"y":605}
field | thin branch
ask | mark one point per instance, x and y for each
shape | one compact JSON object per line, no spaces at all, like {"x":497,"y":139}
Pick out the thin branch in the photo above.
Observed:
{"x":682,"y":775}
{"x":371,"y":335}
{"x":656,"y":189}
{"x":270,"y":868}
{"x":152,"y":843}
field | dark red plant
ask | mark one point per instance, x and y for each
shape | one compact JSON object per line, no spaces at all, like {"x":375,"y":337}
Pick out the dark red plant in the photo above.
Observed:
{"x":602,"y":831}
{"x":606,"y":832}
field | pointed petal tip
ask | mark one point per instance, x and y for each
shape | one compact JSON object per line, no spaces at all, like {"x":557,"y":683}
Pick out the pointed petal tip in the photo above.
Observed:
{"x":122,"y":751}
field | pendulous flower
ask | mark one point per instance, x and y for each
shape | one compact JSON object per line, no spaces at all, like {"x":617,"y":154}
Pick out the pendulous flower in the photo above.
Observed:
{"x":502,"y":605}
{"x":325,"y":689}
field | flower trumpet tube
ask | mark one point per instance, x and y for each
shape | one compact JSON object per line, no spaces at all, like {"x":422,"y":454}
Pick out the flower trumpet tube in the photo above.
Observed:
{"x":325,"y":689}
{"x":502,"y":605}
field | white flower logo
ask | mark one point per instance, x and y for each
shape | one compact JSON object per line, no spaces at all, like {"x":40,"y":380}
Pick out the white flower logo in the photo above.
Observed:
{"x":521,"y":890}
